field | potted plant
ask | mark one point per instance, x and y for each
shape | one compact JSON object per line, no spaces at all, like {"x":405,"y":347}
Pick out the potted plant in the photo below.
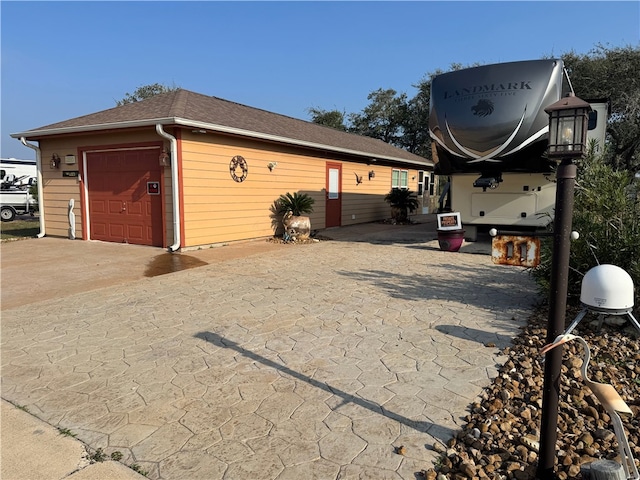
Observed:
{"x":402,"y":201}
{"x":294,"y":208}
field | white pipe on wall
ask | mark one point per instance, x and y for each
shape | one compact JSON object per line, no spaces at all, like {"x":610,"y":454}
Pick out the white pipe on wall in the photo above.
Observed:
{"x":39,"y":186}
{"x":175,"y":192}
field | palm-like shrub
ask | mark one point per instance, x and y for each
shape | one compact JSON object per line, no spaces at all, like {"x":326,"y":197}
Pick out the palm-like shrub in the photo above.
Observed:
{"x":402,"y":201}
{"x":297,"y":203}
{"x":606,"y":214}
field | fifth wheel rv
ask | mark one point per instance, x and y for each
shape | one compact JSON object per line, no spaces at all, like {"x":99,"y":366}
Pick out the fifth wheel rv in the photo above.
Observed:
{"x":490,"y":134}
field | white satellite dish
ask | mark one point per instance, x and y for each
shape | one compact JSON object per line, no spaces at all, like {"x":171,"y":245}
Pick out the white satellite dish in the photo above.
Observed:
{"x":606,"y":290}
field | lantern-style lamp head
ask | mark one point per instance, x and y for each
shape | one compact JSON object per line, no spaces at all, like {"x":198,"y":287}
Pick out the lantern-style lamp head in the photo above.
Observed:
{"x":568,"y":121}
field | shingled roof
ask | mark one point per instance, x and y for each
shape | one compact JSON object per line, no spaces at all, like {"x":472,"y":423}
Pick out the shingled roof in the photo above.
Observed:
{"x":194,"y":110}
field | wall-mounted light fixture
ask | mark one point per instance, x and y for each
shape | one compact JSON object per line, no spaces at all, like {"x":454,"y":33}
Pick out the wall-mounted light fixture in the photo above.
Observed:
{"x":55,"y":161}
{"x":372,"y":174}
{"x":165,"y":158}
{"x":272,"y":165}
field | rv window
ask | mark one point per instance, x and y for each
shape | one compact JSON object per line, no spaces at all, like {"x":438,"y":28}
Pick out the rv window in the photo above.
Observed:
{"x":593,"y":120}
{"x":3,"y":173}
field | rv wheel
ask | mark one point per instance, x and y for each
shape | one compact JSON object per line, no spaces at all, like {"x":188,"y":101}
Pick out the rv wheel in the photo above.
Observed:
{"x":7,"y":214}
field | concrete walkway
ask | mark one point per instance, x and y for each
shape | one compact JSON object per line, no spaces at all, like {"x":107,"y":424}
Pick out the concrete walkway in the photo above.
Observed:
{"x":285,"y":362}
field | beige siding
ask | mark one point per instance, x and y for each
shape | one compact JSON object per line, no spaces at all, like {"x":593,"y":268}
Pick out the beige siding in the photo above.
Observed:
{"x":219,"y":209}
{"x":58,"y":190}
{"x":215,"y":208}
{"x":168,"y":206}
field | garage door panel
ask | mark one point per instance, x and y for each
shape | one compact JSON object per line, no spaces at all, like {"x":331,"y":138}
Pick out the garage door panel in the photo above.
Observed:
{"x":120,"y":209}
{"x":116,"y":231}
{"x":115,"y":206}
{"x":99,"y":229}
{"x":98,"y":206}
{"x":137,"y":208}
{"x":135,"y":234}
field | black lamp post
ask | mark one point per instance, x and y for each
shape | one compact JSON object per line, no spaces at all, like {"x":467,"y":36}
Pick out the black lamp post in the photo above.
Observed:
{"x":568,"y":120}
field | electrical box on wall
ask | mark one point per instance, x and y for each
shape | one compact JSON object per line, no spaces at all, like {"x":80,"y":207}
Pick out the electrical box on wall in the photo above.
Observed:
{"x":69,"y":159}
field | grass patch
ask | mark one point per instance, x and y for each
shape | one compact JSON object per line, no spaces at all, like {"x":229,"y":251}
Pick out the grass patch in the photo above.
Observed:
{"x":98,"y":456}
{"x":137,"y":468}
{"x":20,"y":229}
{"x":66,"y":432}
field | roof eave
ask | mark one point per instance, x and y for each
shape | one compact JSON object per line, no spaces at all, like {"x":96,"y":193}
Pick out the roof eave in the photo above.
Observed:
{"x":35,"y":134}
{"x":292,"y":141}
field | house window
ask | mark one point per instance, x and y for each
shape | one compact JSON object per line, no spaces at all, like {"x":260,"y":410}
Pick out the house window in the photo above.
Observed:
{"x":399,"y":178}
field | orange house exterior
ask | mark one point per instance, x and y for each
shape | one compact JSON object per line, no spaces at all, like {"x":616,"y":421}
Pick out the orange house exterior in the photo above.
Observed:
{"x":183,"y":170}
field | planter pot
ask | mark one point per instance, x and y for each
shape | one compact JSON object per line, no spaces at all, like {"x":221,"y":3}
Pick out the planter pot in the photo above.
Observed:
{"x":450,"y":240}
{"x":296,"y":227}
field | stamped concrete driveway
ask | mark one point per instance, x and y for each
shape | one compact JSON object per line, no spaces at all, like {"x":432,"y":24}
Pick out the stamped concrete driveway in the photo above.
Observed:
{"x":286,"y":362}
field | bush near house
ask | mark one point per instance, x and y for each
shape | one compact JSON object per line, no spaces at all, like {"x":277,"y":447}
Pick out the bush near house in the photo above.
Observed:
{"x":402,"y":201}
{"x":606,"y":214}
{"x":296,"y":203}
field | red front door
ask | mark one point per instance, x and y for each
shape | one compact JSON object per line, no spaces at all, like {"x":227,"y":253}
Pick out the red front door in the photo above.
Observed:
{"x":334,"y":195}
{"x":125,"y":201}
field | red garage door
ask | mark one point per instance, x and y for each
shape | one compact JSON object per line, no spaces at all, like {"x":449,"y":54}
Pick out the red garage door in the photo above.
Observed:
{"x":125,"y":202}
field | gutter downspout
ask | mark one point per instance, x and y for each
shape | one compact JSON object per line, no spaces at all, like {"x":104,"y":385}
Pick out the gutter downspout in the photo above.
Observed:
{"x":39,"y":186}
{"x":174,"y":186}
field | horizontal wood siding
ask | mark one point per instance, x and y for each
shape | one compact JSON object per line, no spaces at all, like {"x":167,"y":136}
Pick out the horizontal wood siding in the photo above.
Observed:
{"x":364,"y":201}
{"x":218,"y":209}
{"x":168,"y":206}
{"x":58,"y":190}
{"x":214,"y":208}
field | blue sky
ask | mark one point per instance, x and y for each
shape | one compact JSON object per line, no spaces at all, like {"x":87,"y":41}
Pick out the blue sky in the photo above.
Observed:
{"x":66,"y":59}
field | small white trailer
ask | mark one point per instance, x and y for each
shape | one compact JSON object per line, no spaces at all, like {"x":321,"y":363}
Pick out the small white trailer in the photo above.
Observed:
{"x":17,"y":176}
{"x":14,"y":202}
{"x":23,"y":171}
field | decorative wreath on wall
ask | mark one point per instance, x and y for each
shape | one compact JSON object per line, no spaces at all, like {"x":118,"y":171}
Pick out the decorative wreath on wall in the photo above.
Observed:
{"x":238,"y":168}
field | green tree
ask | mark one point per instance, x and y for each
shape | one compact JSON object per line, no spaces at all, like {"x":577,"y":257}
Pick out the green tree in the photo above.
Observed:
{"x":606,"y":214}
{"x":328,"y":118}
{"x":415,"y":122}
{"x":383,"y":118}
{"x":144,"y":92}
{"x":612,"y":73}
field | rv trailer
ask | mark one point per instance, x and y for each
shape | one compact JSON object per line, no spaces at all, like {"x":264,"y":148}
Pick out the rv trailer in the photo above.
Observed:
{"x":17,"y":177}
{"x":490,"y":134}
{"x":23,"y":171}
